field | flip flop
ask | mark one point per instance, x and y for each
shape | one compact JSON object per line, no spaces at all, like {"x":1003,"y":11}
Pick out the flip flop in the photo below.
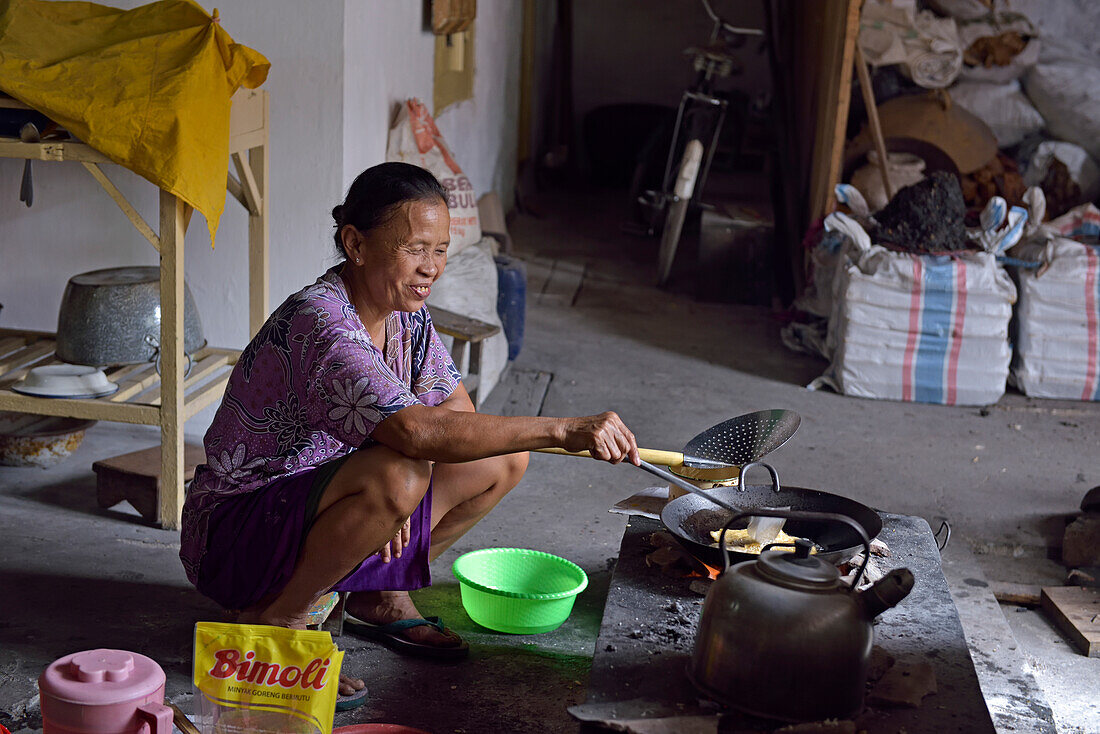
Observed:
{"x":351,"y":701}
{"x":390,"y":636}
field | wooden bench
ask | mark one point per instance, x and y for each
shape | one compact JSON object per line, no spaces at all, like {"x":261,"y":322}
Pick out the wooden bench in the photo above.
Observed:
{"x":465,"y":331}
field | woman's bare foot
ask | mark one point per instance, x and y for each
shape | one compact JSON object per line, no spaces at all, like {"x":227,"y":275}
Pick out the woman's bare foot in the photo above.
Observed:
{"x":384,"y":607}
{"x":348,"y":685}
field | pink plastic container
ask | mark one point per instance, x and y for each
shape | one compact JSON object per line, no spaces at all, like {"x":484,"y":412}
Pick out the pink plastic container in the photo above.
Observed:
{"x":104,"y":692}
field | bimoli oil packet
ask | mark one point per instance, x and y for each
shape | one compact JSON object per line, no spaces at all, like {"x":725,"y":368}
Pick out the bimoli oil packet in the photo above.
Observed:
{"x":255,"y":679}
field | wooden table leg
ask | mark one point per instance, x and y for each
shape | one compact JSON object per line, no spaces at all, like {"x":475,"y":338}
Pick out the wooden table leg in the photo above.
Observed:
{"x":171,"y":359}
{"x":258,"y":276}
{"x":475,"y":370}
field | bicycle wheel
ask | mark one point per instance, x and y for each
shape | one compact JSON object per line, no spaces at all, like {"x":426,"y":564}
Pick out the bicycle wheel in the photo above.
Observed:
{"x":677,"y":211}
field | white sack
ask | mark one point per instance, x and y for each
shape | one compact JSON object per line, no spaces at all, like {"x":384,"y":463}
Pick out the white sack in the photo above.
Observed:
{"x":995,"y":25}
{"x":469,"y":288}
{"x":414,"y":138}
{"x":1082,"y":168}
{"x":926,"y":46}
{"x":1058,"y":340}
{"x":1067,"y":94}
{"x":920,"y":328}
{"x":1003,"y":107}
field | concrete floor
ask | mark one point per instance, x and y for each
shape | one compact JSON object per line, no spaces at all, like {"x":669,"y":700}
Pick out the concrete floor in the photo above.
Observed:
{"x":73,"y":576}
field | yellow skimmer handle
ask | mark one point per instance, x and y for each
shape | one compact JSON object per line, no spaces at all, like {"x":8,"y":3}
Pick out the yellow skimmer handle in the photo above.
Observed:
{"x":653,"y":456}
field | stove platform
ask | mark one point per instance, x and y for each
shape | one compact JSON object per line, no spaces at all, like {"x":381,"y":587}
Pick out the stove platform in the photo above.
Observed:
{"x":648,"y":630}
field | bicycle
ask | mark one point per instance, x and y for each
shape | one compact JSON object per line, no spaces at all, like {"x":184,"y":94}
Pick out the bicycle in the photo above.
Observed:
{"x":700,"y":118}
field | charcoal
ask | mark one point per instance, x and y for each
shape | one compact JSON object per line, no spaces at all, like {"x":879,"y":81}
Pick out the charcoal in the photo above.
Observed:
{"x":925,"y":217}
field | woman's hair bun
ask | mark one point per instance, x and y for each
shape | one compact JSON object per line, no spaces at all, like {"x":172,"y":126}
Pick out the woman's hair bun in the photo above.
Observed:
{"x":378,"y":192}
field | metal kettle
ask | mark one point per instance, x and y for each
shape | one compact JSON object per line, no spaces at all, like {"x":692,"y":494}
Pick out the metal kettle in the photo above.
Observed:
{"x":783,"y":637}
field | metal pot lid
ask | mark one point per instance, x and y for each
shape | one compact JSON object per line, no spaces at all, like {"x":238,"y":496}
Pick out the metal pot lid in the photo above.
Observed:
{"x":118,"y":276}
{"x":798,"y":569}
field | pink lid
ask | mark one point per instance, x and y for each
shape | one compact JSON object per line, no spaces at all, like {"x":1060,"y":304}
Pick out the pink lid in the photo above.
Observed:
{"x":101,"y":677}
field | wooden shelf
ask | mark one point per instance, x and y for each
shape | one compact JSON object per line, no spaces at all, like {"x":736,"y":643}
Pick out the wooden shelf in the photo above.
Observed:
{"x":139,"y":386}
{"x":143,"y":396}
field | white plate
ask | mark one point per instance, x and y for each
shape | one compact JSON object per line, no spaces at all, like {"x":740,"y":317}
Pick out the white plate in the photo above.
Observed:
{"x":59,"y":392}
{"x":65,"y":381}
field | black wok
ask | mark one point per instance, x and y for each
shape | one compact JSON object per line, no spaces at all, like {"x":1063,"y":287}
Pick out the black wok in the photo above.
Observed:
{"x":691,"y":518}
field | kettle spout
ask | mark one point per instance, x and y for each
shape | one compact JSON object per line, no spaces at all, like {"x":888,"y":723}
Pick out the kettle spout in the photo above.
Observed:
{"x":887,"y":592}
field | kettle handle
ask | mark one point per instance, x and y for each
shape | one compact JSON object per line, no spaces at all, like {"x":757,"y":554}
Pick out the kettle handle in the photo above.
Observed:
{"x":158,"y":718}
{"x":800,"y":515}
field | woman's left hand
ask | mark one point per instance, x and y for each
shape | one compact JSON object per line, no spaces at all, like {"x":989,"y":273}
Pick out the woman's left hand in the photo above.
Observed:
{"x":397,"y":544}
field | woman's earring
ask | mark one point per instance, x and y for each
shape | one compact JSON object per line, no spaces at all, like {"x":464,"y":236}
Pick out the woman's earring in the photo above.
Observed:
{"x":358,"y":261}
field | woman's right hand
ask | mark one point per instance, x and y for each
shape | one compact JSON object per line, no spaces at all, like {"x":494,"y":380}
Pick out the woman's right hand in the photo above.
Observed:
{"x":605,"y":436}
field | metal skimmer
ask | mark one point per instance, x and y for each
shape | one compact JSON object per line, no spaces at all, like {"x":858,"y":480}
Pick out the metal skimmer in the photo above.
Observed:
{"x":743,"y":439}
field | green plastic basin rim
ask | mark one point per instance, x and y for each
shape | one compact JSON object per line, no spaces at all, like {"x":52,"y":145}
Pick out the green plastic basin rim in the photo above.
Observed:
{"x":519,"y":594}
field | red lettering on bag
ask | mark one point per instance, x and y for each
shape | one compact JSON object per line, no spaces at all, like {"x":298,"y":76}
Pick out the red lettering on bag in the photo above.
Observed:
{"x":285,"y":679}
{"x":261,"y":669}
{"x":229,"y":662}
{"x":225,"y":663}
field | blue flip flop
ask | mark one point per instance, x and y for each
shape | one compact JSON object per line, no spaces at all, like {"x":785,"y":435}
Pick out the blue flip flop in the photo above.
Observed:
{"x":351,"y":701}
{"x":390,"y":636}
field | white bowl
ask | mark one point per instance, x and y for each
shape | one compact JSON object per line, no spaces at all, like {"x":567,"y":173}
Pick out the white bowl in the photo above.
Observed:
{"x":65,"y":381}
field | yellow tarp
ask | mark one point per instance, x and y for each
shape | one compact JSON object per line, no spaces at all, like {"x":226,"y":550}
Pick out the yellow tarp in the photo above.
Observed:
{"x":149,"y":87}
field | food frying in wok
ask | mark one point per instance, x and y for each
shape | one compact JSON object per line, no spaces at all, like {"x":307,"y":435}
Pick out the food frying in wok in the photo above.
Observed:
{"x":742,"y":542}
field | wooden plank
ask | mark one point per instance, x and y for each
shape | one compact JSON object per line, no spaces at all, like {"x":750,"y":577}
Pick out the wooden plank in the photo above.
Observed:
{"x":834,"y":83}
{"x":52,"y":151}
{"x":521,"y":392}
{"x":135,"y":477}
{"x":172,"y":360}
{"x":259,"y":277}
{"x":29,"y":353}
{"x":1076,"y":611}
{"x":26,"y":334}
{"x":208,"y":394}
{"x":252,"y":196}
{"x":201,"y":370}
{"x":10,"y":378}
{"x":461,"y":327}
{"x":248,"y":141}
{"x":100,"y":410}
{"x":11,"y":343}
{"x":123,"y":372}
{"x":127,"y":208}
{"x":248,"y":112}
{"x":1020,"y":594}
{"x":135,"y":384}
{"x":233,"y":186}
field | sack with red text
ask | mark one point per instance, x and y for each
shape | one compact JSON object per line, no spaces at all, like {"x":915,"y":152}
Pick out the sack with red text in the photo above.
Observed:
{"x":414,"y":138}
{"x":1058,"y":319}
{"x":254,"y":679}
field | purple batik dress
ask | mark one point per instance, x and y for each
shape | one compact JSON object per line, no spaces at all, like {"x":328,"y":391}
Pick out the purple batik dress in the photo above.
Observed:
{"x":308,"y":390}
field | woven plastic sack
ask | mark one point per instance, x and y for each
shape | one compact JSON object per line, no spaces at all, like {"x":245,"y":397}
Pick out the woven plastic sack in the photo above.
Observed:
{"x":922,"y":328}
{"x":1003,"y":107}
{"x":414,"y":138}
{"x":1058,"y":339}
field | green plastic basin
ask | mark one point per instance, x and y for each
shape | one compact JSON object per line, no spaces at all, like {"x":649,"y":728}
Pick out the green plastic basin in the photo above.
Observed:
{"x":517,"y":590}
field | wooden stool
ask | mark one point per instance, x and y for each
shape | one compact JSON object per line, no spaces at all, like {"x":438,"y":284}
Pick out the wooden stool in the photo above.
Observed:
{"x":135,"y":477}
{"x":465,"y":331}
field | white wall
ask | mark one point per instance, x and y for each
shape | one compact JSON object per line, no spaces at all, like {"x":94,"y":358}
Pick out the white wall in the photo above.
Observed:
{"x":389,"y":58}
{"x":338,"y":68}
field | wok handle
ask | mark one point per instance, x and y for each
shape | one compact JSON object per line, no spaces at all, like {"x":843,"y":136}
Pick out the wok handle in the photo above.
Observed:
{"x":654,"y":456}
{"x":741,"y":484}
{"x":798,"y":515}
{"x":686,"y":485}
